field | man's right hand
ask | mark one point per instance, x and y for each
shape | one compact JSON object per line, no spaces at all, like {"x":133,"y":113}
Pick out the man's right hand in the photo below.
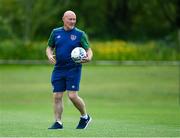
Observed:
{"x":52,"y":59}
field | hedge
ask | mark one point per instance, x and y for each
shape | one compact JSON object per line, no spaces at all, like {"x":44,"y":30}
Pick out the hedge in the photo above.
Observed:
{"x":107,"y":50}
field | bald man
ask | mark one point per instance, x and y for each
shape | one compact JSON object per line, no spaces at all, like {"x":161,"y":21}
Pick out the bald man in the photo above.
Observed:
{"x":67,"y":74}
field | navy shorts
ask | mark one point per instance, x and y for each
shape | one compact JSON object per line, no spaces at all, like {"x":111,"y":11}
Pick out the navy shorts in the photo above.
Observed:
{"x":66,"y":79}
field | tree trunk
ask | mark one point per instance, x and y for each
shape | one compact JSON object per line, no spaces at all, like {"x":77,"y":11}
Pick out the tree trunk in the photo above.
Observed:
{"x":178,"y":24}
{"x":28,"y":21}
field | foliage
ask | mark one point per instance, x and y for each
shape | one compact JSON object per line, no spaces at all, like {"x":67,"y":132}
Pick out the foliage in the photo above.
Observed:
{"x":122,"y":50}
{"x":107,"y":50}
{"x":29,"y":20}
{"x":10,"y":50}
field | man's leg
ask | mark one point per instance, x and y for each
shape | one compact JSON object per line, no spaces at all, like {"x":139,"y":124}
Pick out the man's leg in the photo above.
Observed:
{"x":58,"y":109}
{"x":77,"y":101}
{"x":58,"y":105}
{"x":80,"y":105}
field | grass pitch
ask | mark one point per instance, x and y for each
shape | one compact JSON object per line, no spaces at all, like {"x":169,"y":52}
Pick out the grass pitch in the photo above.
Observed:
{"x":122,"y":100}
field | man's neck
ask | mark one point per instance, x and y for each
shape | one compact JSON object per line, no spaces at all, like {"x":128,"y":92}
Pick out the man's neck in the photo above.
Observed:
{"x":68,"y":29}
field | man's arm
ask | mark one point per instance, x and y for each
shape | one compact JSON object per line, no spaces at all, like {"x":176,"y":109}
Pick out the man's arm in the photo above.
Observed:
{"x":85,"y":45}
{"x":49,"y":53}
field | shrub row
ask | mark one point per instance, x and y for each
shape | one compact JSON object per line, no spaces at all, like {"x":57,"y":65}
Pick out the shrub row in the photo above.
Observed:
{"x":122,"y":50}
{"x":109,"y":50}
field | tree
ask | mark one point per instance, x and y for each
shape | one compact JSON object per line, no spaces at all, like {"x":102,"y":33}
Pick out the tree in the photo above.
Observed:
{"x":29,"y":20}
{"x":22,"y":19}
{"x":171,"y":11}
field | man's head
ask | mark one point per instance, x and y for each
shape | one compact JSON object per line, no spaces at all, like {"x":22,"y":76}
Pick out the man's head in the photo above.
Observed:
{"x":69,"y":19}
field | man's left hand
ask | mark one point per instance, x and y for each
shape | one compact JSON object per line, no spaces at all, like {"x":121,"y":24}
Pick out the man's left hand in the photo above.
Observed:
{"x":85,"y":59}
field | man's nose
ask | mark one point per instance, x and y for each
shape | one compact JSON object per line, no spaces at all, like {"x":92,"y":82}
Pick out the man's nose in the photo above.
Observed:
{"x":73,"y":21}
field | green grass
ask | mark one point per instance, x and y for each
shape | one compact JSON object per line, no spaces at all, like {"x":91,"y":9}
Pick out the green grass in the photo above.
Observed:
{"x":122,"y":100}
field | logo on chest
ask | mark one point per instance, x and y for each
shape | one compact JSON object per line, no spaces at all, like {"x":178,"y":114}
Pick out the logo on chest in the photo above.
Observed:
{"x":73,"y":37}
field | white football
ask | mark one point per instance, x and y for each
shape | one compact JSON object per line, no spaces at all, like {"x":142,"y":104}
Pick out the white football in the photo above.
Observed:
{"x":78,"y":54}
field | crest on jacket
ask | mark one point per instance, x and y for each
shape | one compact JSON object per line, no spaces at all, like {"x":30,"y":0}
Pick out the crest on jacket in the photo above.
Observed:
{"x":73,"y":37}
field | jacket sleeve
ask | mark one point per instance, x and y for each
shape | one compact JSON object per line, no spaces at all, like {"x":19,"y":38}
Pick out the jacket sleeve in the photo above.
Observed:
{"x":84,"y":41}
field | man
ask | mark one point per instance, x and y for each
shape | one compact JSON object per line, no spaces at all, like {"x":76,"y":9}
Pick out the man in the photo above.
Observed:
{"x":67,"y":74}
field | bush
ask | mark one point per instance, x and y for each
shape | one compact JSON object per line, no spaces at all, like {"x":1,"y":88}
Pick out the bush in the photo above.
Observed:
{"x":122,"y":50}
{"x":17,"y":50}
{"x":109,"y":50}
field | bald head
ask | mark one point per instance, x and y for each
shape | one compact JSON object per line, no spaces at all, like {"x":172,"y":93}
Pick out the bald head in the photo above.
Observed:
{"x":69,"y":19}
{"x":69,"y":13}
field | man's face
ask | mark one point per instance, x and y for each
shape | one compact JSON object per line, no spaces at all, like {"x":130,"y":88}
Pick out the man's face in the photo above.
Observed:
{"x":69,"y":20}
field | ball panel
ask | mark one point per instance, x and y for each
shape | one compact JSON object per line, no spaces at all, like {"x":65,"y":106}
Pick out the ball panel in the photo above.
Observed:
{"x":78,"y":54}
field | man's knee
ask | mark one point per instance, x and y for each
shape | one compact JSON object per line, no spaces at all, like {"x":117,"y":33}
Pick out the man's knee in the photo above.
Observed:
{"x":72,"y":95}
{"x":57,"y":97}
